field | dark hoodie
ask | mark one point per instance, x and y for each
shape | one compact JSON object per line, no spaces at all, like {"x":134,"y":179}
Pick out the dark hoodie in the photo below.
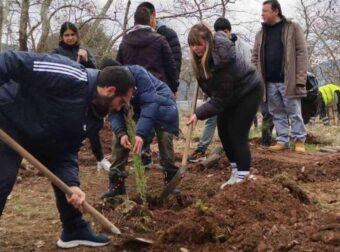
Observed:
{"x":71,"y":52}
{"x":273,"y":54}
{"x":146,"y":48}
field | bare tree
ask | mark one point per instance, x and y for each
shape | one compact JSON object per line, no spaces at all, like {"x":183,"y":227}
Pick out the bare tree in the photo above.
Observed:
{"x":97,"y":21}
{"x":322,"y":21}
{"x":45,"y":24}
{"x":24,"y":18}
{"x":123,"y":28}
{"x":1,"y":22}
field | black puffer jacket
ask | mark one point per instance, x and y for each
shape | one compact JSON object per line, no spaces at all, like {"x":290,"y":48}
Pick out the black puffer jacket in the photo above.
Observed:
{"x":71,"y":52}
{"x":172,"y":38}
{"x":232,"y":78}
{"x":144,"y":47}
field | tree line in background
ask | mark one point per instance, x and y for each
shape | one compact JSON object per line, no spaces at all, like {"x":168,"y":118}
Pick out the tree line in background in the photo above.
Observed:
{"x":34,"y":25}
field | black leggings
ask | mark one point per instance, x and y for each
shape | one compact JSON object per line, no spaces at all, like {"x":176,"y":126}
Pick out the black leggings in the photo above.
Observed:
{"x":233,"y":128}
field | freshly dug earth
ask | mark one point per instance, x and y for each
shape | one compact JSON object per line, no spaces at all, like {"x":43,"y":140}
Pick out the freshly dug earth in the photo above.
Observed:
{"x":264,"y":213}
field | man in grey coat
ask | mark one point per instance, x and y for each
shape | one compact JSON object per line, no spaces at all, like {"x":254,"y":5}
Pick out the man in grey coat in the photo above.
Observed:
{"x":280,"y":55}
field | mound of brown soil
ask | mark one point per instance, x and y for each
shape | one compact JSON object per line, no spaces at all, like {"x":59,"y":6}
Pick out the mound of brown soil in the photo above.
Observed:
{"x":255,"y":215}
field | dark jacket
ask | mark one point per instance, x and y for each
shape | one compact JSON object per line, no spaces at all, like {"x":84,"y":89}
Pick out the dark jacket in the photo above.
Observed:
{"x":71,"y":52}
{"x":153,"y":104}
{"x":232,"y":78}
{"x":172,"y":38}
{"x":149,"y":49}
{"x":45,"y":98}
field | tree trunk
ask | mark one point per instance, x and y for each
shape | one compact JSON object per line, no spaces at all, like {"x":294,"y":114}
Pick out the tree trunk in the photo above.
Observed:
{"x":1,"y":22}
{"x":45,"y":25}
{"x":5,"y":20}
{"x":24,"y":16}
{"x":126,"y":16}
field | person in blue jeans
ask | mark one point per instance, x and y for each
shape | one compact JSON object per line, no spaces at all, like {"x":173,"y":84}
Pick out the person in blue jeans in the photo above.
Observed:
{"x":205,"y":140}
{"x":281,"y":57}
{"x":48,"y":104}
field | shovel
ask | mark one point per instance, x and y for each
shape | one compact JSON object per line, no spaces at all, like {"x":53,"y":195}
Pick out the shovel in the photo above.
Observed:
{"x":171,"y":186}
{"x":63,"y":187}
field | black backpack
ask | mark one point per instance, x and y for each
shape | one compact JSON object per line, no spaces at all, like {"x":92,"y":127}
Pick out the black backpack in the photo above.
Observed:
{"x":312,"y":87}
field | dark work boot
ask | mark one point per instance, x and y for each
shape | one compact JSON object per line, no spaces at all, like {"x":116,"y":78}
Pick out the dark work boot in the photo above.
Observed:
{"x":116,"y":185}
{"x":169,"y":173}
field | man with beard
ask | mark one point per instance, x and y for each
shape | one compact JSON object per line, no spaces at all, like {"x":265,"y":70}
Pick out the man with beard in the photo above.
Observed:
{"x":47,"y":104}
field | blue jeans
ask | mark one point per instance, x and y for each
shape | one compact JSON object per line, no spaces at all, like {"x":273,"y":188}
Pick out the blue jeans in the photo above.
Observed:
{"x":286,"y":114}
{"x":208,"y":134}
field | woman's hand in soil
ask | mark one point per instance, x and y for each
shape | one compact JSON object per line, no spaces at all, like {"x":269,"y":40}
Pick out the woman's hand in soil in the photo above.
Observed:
{"x":124,"y":141}
{"x":138,"y":145}
{"x":77,"y":197}
{"x":83,"y":55}
{"x":192,"y":121}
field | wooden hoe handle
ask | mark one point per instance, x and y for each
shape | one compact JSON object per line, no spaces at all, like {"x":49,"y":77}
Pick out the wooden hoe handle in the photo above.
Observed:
{"x":56,"y":181}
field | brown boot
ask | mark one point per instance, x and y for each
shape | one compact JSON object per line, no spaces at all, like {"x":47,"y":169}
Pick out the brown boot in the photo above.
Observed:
{"x":300,"y":146}
{"x":278,"y":147}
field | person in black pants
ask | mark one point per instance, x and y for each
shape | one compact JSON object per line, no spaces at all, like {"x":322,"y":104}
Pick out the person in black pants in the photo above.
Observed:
{"x":235,"y":92}
{"x":69,"y":46}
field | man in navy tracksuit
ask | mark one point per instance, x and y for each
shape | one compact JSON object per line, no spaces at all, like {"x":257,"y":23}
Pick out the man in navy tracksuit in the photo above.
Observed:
{"x":154,"y":108}
{"x":48,"y":104}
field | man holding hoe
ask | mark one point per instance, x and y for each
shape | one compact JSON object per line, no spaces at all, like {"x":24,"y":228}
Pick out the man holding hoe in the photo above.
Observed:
{"x":47,"y":104}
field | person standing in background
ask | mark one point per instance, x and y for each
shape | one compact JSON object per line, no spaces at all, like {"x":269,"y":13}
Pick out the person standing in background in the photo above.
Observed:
{"x":69,"y":46}
{"x":280,"y":55}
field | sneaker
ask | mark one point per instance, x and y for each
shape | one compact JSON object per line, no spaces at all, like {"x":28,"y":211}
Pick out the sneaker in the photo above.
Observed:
{"x":146,"y":159}
{"x":278,"y":147}
{"x":104,"y":164}
{"x":300,"y":146}
{"x":81,"y":237}
{"x":232,"y":180}
{"x":197,"y":156}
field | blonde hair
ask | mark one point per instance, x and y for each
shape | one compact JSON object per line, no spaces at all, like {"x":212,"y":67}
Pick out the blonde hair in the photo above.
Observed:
{"x":200,"y":65}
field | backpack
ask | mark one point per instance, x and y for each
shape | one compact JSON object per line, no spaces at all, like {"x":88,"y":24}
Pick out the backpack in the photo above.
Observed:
{"x":312,"y":87}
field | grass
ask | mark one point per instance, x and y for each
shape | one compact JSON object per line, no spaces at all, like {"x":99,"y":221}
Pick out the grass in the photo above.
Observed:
{"x":329,"y":135}
{"x":312,"y":147}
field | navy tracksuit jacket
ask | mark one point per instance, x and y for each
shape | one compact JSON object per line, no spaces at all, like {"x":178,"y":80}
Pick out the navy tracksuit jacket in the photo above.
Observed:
{"x":44,"y":101}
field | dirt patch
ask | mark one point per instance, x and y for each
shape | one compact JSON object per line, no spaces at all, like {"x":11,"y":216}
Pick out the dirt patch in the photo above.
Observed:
{"x":257,"y":215}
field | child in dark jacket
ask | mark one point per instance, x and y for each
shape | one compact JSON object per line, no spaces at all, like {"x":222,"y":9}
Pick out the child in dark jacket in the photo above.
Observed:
{"x":235,"y":92}
{"x":69,"y":46}
{"x":154,"y":108}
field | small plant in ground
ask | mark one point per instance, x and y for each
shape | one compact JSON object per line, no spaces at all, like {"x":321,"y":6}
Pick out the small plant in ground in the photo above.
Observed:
{"x":141,"y":184}
{"x":201,"y":209}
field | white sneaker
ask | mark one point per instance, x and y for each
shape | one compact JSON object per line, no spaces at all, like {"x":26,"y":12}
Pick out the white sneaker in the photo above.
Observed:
{"x":232,"y":180}
{"x":104,"y":164}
